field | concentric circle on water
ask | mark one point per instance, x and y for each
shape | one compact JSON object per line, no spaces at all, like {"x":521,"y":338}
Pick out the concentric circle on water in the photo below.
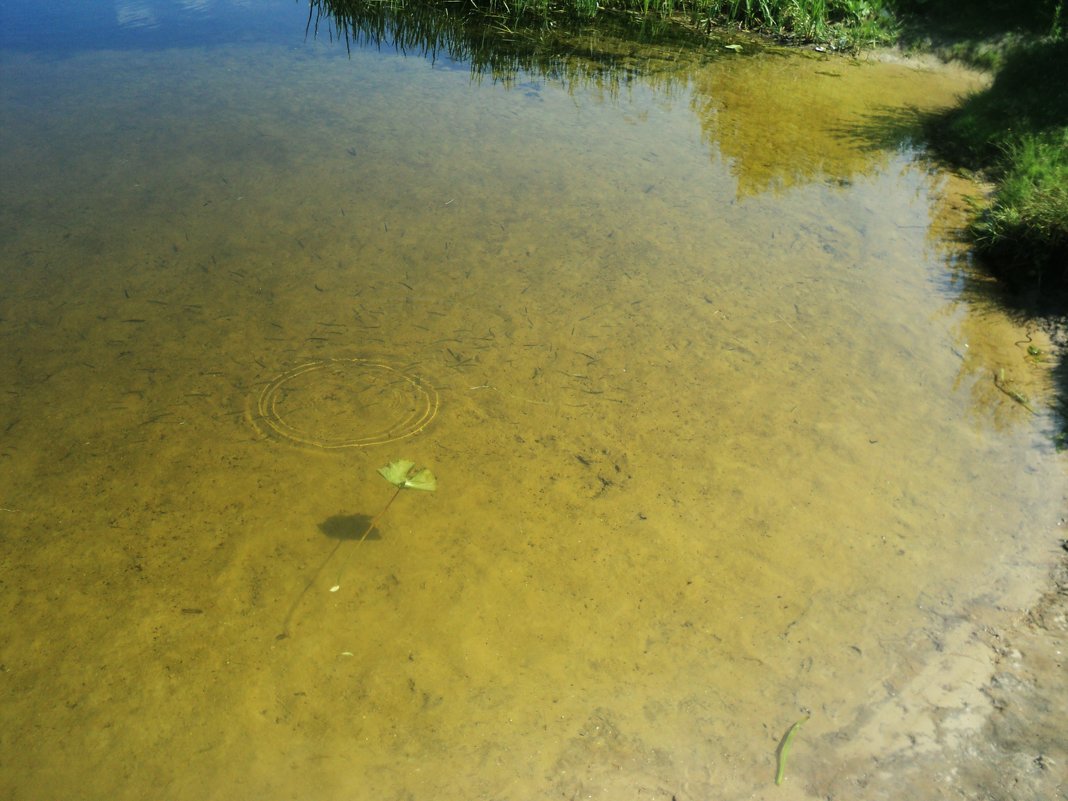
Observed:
{"x":345,"y":403}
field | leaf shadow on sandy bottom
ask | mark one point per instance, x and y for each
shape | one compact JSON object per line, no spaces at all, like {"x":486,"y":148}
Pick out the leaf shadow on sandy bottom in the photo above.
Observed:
{"x":348,"y":527}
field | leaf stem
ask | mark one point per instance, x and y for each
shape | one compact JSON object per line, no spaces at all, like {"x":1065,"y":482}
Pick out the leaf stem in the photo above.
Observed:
{"x":368,"y":530}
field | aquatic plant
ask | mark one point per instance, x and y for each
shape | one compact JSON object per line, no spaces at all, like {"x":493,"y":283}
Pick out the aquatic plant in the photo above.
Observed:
{"x":402,"y":474}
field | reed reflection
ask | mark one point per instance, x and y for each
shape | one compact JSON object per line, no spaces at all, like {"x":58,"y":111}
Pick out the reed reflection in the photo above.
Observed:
{"x":500,"y":48}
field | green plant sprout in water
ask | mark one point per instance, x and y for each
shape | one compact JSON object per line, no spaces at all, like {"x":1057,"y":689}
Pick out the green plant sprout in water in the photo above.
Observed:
{"x":402,"y":474}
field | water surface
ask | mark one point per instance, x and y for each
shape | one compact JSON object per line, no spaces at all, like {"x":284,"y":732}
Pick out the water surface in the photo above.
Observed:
{"x":705,"y":379}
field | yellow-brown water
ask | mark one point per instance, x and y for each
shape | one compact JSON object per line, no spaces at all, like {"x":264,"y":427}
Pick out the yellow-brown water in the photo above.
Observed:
{"x":715,"y":427}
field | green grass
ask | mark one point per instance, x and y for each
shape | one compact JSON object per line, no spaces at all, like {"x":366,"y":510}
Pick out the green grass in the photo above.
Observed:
{"x":841,"y":23}
{"x":1023,"y":233}
{"x":849,"y":23}
{"x":1016,"y":132}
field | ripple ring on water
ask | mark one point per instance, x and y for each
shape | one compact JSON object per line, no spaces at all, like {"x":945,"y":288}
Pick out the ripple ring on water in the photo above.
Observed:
{"x":345,"y":403}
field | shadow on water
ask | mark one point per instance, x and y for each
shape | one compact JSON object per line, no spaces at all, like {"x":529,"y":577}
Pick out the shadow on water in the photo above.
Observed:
{"x":1034,"y":312}
{"x":348,"y":527}
{"x":886,"y":128}
{"x":342,"y":528}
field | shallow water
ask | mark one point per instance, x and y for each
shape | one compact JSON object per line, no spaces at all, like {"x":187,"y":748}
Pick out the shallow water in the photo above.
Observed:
{"x":704,"y":378}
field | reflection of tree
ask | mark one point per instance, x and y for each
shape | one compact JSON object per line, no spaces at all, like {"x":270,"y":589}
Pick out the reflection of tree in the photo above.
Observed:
{"x":785,"y":121}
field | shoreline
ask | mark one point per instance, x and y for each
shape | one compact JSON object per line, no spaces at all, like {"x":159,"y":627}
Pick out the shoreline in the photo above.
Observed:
{"x":980,"y":720}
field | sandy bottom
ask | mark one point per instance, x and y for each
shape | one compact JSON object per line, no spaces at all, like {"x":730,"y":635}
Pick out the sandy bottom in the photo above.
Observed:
{"x":986,"y":720}
{"x":714,"y":402}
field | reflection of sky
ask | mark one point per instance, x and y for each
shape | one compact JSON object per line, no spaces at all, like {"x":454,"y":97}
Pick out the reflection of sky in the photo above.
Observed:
{"x":133,"y":14}
{"x":67,"y":26}
{"x":144,"y":14}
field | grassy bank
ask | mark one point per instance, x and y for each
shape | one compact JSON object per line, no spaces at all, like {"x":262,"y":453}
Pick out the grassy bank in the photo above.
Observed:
{"x":838,"y":23}
{"x":1016,"y":132}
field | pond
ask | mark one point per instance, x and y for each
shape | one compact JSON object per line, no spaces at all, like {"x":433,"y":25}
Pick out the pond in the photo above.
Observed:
{"x":727,"y":433}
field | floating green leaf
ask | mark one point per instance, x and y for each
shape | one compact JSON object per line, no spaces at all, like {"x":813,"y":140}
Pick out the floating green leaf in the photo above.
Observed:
{"x":396,"y":473}
{"x":402,"y":474}
{"x":422,"y":480}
